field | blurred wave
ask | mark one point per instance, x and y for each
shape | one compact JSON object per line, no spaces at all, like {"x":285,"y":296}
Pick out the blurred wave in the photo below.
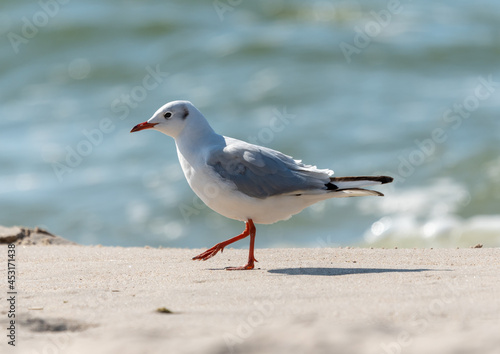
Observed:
{"x":410,"y":90}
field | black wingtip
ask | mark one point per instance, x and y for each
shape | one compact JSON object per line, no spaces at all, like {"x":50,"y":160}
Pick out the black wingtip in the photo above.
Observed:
{"x":381,"y":179}
{"x":331,"y":187}
{"x":385,"y":179}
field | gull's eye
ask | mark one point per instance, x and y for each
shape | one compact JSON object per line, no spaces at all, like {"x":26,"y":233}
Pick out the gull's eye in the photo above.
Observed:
{"x":167,"y":115}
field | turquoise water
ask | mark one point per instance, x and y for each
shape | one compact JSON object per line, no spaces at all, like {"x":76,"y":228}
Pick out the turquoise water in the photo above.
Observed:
{"x":409,"y":89}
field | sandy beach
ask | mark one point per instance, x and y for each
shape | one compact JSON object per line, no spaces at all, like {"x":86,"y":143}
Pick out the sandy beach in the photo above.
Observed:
{"x":143,"y":133}
{"x":93,"y":299}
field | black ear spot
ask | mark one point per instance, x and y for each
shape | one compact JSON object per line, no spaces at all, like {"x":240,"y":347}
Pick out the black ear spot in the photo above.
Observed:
{"x":185,"y":112}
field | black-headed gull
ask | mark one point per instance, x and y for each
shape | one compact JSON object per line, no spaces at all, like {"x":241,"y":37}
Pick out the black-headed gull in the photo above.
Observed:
{"x":247,"y":182}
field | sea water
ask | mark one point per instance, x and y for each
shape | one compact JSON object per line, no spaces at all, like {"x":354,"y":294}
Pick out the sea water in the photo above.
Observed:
{"x":408,"y":89}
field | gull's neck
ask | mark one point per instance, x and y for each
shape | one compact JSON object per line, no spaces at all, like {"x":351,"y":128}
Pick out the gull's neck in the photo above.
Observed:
{"x":196,"y":137}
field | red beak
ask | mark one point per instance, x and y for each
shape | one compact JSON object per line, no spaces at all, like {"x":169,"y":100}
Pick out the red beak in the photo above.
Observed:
{"x":142,"y":126}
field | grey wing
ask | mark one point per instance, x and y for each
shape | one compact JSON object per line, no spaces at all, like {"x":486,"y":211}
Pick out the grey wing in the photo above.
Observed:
{"x":260,"y":172}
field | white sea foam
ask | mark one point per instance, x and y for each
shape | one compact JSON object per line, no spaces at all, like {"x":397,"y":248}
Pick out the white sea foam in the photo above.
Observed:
{"x":427,"y":216}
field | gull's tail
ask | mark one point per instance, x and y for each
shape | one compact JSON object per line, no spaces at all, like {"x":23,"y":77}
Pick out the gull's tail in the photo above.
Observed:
{"x":351,"y":186}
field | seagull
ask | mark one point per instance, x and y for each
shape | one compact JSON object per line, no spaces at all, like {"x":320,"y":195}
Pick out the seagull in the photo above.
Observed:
{"x":247,"y":182}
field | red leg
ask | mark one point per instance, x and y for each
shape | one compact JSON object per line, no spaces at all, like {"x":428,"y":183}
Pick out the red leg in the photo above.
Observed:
{"x":249,"y":230}
{"x":220,"y":246}
{"x":251,"y":258}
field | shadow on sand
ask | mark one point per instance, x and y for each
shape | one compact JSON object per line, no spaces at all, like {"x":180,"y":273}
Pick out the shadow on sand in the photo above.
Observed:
{"x":342,"y":271}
